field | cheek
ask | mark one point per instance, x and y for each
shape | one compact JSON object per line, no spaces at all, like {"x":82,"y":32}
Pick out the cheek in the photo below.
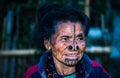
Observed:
{"x":82,"y":46}
{"x":58,"y":51}
{"x":59,"y":48}
{"x":64,"y":44}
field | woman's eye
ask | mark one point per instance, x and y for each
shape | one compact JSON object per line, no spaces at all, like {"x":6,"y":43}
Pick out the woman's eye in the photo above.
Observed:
{"x":64,"y":39}
{"x":81,"y":38}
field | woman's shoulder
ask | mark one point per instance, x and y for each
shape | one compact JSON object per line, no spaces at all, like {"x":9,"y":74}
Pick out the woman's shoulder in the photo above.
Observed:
{"x":31,"y":71}
{"x":99,"y":70}
{"x":95,"y":63}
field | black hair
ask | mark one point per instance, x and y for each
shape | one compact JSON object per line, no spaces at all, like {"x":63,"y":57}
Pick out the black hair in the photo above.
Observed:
{"x":48,"y":17}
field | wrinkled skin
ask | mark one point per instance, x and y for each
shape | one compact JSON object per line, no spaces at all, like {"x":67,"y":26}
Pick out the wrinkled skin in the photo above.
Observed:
{"x":67,"y":34}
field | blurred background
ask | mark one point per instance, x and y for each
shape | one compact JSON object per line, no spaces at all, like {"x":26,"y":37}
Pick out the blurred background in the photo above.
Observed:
{"x":17,"y":21}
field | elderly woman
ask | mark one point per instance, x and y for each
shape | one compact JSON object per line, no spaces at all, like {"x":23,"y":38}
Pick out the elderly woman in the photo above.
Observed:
{"x":62,"y":33}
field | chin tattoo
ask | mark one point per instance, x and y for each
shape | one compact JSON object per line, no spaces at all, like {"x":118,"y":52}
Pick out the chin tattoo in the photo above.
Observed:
{"x":71,"y":62}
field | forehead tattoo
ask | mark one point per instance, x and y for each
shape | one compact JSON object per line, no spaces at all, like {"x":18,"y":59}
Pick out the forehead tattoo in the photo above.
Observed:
{"x":74,"y":31}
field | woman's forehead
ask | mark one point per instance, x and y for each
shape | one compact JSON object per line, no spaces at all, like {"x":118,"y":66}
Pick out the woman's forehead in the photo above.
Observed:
{"x":69,"y":28}
{"x":73,"y":26}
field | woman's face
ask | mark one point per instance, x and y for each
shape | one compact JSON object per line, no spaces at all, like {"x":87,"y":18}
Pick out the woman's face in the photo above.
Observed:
{"x":68,"y":43}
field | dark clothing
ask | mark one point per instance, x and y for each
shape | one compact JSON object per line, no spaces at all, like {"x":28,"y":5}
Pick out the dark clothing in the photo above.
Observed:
{"x":85,"y":68}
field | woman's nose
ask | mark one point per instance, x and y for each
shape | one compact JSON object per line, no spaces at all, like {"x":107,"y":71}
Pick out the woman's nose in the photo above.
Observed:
{"x":73,"y":47}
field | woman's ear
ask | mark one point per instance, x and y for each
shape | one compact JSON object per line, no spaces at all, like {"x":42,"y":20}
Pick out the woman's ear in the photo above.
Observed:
{"x":47,"y":44}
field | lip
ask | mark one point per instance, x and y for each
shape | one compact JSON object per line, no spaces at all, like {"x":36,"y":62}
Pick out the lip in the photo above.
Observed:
{"x":71,"y":55}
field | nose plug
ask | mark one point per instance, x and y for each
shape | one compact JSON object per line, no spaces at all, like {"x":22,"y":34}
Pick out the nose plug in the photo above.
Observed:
{"x":73,"y":48}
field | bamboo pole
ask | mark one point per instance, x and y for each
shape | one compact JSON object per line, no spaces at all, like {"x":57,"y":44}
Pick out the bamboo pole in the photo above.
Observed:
{"x":86,"y":8}
{"x":17,"y":52}
{"x":3,"y":34}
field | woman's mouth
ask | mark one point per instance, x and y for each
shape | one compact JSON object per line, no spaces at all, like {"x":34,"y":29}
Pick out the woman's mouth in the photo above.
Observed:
{"x":72,"y":56}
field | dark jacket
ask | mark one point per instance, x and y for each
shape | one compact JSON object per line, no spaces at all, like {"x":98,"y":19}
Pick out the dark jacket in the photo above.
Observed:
{"x":86,"y":68}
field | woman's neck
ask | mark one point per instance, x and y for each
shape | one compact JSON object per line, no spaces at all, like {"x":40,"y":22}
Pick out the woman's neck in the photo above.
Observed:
{"x":63,"y":69}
